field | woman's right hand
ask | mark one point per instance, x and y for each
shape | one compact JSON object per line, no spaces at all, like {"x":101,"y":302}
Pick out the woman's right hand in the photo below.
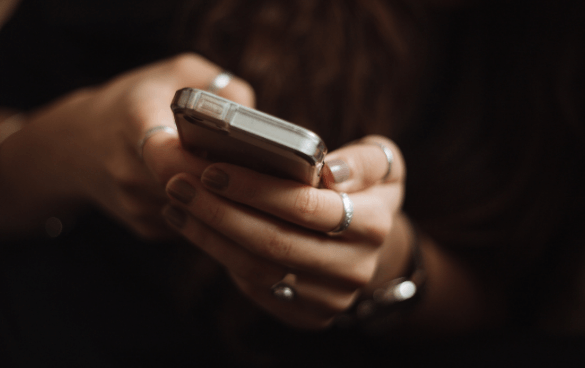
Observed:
{"x":82,"y":149}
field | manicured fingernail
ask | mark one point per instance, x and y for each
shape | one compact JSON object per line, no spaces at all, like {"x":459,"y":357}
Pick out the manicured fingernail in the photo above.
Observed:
{"x":339,"y":170}
{"x":175,"y":216}
{"x":181,"y":191}
{"x":215,"y":178}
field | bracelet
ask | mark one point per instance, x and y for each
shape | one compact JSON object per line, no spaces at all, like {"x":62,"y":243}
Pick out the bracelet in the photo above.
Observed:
{"x":11,"y":125}
{"x":388,"y":303}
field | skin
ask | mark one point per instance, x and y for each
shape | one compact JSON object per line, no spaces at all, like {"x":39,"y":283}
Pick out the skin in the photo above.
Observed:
{"x":7,"y":7}
{"x":260,"y":228}
{"x":92,"y":134}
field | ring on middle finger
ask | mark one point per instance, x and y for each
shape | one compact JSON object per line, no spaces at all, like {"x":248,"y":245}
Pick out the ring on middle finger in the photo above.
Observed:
{"x":346,"y":216}
{"x":220,"y":82}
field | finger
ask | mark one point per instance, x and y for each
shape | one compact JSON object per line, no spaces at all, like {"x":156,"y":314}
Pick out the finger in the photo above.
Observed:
{"x":154,"y":87}
{"x":325,"y":295}
{"x":358,"y":166}
{"x":271,"y":238}
{"x":328,"y":295}
{"x":165,"y":157}
{"x":315,"y":305}
{"x":192,"y":70}
{"x":239,"y":91}
{"x":319,"y":299}
{"x":188,"y":70}
{"x":235,"y":258}
{"x":312,"y":208}
{"x":296,"y":315}
{"x":301,"y":204}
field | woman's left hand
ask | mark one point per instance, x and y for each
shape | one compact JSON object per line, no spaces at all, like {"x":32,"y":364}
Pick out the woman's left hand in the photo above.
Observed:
{"x":263,"y":228}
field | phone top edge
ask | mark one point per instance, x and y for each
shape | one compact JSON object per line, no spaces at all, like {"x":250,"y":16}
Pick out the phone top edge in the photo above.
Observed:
{"x":227,"y":115}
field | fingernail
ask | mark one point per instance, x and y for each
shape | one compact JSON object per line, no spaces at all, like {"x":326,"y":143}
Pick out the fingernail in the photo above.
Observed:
{"x":175,"y":216}
{"x":215,"y":178}
{"x":339,"y":169}
{"x":181,"y":191}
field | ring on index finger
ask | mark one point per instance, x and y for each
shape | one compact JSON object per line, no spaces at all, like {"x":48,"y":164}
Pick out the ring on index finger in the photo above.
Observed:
{"x":347,"y":215}
{"x":151,"y":132}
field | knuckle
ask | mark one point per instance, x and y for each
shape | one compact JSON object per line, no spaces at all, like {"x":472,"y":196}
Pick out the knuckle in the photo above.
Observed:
{"x":307,"y":201}
{"x":378,"y":231}
{"x":135,"y":110}
{"x":242,"y":92}
{"x":136,"y":209}
{"x":126,"y":178}
{"x":198,"y":235}
{"x":362,"y":273}
{"x":184,"y":62}
{"x":277,"y":246}
{"x":117,"y":176}
{"x":245,"y":189}
{"x":215,"y":216}
{"x":160,"y":159}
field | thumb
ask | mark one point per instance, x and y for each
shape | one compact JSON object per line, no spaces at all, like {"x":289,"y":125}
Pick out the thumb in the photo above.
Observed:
{"x":367,"y":162}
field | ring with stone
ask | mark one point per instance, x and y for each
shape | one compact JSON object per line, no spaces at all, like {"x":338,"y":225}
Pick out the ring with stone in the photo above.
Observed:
{"x":283,"y":291}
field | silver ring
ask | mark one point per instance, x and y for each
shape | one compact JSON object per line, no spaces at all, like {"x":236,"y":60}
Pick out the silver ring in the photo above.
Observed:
{"x":152,"y":131}
{"x":347,"y":214}
{"x":283,"y":291}
{"x":389,"y":158}
{"x":220,"y":82}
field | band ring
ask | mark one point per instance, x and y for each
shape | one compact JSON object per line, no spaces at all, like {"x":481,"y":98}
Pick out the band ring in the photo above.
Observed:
{"x":389,"y":158}
{"x":347,"y":214}
{"x":152,"y":131}
{"x":220,"y":82}
{"x":283,"y":291}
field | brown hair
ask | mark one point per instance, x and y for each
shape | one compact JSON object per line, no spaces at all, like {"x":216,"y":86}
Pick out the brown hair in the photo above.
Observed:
{"x":342,"y":68}
{"x":490,"y":119}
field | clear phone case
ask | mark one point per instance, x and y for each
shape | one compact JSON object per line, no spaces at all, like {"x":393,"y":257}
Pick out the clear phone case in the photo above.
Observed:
{"x":230,"y":132}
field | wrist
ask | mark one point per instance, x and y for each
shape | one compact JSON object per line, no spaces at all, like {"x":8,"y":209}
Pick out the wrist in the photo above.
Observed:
{"x":395,"y":254}
{"x":398,"y":285}
{"x":10,"y":123}
{"x":32,"y":204}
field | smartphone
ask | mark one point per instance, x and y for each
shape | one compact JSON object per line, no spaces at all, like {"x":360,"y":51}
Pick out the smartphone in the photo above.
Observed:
{"x":229,"y":132}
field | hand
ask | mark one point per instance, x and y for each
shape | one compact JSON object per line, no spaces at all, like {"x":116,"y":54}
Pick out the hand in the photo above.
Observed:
{"x":83,"y":147}
{"x":262,"y":228}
